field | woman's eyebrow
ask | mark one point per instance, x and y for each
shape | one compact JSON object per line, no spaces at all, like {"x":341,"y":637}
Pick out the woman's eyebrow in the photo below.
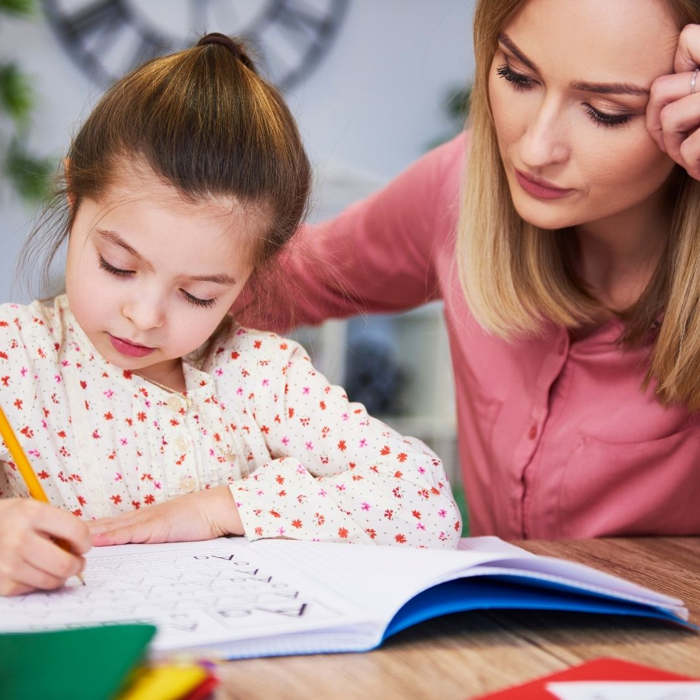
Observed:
{"x":584,"y":85}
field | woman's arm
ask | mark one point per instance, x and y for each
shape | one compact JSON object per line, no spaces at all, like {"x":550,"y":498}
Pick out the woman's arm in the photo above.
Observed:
{"x":378,"y":255}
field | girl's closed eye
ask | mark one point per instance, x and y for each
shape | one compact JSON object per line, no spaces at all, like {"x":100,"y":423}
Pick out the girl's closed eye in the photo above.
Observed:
{"x":197,"y":301}
{"x":118,"y":271}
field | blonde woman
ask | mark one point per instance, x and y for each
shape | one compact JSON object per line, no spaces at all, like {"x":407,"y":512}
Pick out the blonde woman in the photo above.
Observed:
{"x":562,"y":232}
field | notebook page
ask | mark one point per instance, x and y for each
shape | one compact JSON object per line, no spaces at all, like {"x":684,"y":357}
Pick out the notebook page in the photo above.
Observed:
{"x":381,"y":579}
{"x":197,"y":593}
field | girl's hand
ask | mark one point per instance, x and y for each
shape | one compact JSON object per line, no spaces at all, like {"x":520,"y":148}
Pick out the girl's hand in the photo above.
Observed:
{"x":197,"y":516}
{"x":673,"y":112}
{"x":29,"y":558}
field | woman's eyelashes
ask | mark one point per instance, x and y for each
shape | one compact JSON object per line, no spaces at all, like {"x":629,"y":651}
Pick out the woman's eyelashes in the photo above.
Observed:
{"x":119,"y":272}
{"x":523,"y":82}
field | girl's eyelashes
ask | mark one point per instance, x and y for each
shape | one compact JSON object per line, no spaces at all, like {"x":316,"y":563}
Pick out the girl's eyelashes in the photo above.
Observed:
{"x":522,"y":82}
{"x":190,"y":298}
{"x":197,"y":301}
{"x":119,"y":272}
{"x":518,"y":80}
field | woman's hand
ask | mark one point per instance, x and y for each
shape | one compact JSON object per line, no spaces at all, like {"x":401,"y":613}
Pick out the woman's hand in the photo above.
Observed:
{"x":29,"y":558}
{"x":673,"y":112}
{"x":197,"y":516}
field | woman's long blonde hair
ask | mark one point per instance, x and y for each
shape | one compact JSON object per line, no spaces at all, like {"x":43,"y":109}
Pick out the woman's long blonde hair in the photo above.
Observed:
{"x":517,"y":277}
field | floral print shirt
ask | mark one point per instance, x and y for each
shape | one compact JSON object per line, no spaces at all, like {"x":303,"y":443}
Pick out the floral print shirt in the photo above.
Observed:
{"x":301,"y":461}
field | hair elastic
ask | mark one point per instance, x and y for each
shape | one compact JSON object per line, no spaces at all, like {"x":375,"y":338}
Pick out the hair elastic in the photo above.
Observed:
{"x":230,"y":44}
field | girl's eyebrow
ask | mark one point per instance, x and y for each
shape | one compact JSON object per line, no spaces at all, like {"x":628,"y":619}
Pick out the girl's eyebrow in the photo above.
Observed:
{"x":601,"y":88}
{"x":114,"y":237}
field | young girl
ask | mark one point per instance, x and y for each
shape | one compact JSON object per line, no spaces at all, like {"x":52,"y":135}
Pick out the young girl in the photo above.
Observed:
{"x":136,"y":393}
{"x":575,"y":334}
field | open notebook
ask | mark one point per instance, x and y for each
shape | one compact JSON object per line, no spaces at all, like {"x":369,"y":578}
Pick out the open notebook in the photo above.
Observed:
{"x":233,"y":598}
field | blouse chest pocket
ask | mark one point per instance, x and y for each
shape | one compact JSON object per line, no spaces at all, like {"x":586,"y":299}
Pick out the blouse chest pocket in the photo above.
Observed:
{"x":633,"y":488}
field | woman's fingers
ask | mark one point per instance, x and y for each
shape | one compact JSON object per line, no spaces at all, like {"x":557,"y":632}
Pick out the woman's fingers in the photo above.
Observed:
{"x":673,"y":111}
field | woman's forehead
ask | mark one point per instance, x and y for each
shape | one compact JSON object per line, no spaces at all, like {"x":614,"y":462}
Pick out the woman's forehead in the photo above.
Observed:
{"x":597,"y":40}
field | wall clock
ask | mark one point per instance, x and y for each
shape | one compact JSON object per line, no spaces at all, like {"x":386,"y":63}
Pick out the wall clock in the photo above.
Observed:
{"x":106,"y":38}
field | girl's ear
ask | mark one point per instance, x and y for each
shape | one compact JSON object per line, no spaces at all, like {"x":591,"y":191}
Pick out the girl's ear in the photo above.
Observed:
{"x":69,"y":190}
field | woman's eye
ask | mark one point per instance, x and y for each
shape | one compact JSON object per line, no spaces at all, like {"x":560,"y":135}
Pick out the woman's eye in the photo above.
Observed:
{"x":196,"y":301}
{"x":518,"y":80}
{"x":605,"y":119}
{"x":119,"y":272}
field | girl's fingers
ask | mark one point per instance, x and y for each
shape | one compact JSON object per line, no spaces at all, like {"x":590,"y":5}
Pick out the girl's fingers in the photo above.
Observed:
{"x":46,"y":557}
{"x":60,"y":524}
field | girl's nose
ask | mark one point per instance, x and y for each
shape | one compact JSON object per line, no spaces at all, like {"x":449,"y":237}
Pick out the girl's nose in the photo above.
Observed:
{"x":145,"y":311}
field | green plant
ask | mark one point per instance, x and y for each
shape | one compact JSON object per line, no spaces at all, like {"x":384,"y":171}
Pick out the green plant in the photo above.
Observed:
{"x":29,"y":174}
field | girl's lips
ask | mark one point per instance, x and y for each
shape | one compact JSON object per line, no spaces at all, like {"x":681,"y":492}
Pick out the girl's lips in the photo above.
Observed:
{"x":540,"y":189}
{"x":127,"y":348}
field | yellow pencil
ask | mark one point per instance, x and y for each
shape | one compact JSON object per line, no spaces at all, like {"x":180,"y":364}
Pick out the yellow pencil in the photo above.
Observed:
{"x":26,"y":471}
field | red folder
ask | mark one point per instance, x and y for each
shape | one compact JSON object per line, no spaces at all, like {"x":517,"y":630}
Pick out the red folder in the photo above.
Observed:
{"x":596,"y":670}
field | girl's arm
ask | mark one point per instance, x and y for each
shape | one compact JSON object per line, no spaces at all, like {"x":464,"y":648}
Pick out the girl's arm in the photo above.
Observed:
{"x":337,"y":474}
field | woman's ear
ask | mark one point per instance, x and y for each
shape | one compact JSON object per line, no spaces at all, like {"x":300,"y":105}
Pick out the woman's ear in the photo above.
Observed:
{"x":69,"y":190}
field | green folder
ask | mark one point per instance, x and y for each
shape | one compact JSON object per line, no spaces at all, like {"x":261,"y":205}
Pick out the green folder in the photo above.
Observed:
{"x":87,"y":662}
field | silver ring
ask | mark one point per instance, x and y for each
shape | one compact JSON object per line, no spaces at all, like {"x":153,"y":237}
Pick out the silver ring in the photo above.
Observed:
{"x":693,"y":79}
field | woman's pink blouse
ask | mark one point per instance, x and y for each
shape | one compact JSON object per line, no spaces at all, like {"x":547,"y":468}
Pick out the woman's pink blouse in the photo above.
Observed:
{"x":557,"y":438}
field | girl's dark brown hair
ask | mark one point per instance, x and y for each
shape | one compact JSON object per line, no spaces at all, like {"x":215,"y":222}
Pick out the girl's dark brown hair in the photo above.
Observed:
{"x":205,"y":121}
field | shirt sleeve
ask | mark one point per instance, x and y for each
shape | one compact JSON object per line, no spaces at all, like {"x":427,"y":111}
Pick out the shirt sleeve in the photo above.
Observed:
{"x":378,"y":255}
{"x":337,"y":474}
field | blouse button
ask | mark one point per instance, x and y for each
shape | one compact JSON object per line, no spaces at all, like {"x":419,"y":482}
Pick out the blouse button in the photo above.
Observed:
{"x":174,"y":403}
{"x":181,"y":443}
{"x":532,"y":433}
{"x":187,"y":484}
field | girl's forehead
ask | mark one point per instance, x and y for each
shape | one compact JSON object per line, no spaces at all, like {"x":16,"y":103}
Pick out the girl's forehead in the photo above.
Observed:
{"x":597,"y":40}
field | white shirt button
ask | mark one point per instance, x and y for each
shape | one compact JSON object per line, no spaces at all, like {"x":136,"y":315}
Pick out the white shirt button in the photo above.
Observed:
{"x":175,"y":403}
{"x":181,"y":443}
{"x":187,"y":484}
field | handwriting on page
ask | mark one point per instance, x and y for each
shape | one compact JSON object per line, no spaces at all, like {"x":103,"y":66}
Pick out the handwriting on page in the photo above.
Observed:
{"x":201,"y":592}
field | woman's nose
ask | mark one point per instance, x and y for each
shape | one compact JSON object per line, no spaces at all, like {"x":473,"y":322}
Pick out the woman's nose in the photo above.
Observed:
{"x":545,"y":140}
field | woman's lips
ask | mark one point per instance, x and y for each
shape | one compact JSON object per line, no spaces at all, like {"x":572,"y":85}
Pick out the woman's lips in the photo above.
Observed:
{"x":540,"y":188}
{"x":126,"y":347}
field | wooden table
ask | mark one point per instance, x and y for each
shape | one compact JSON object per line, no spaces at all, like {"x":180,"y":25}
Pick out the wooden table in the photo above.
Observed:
{"x":468,"y":654}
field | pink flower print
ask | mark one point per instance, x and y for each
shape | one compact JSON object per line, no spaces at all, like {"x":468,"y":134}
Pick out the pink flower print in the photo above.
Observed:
{"x":340,"y":487}
{"x":365,"y":505}
{"x":344,"y":416}
{"x":65,"y":363}
{"x":266,"y":382}
{"x":300,"y":469}
{"x":109,"y":393}
{"x":23,"y":371}
{"x":323,"y":493}
{"x":123,"y":441}
{"x":239,"y":391}
{"x":118,"y":476}
{"x":219,"y":371}
{"x":442,"y":513}
{"x":285,"y":440}
{"x":157,"y":484}
{"x":420,"y":526}
{"x":281,"y":531}
{"x":57,"y":377}
{"x":309,"y":445}
{"x":305,"y":390}
{"x":363,"y":442}
{"x":421,"y":470}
